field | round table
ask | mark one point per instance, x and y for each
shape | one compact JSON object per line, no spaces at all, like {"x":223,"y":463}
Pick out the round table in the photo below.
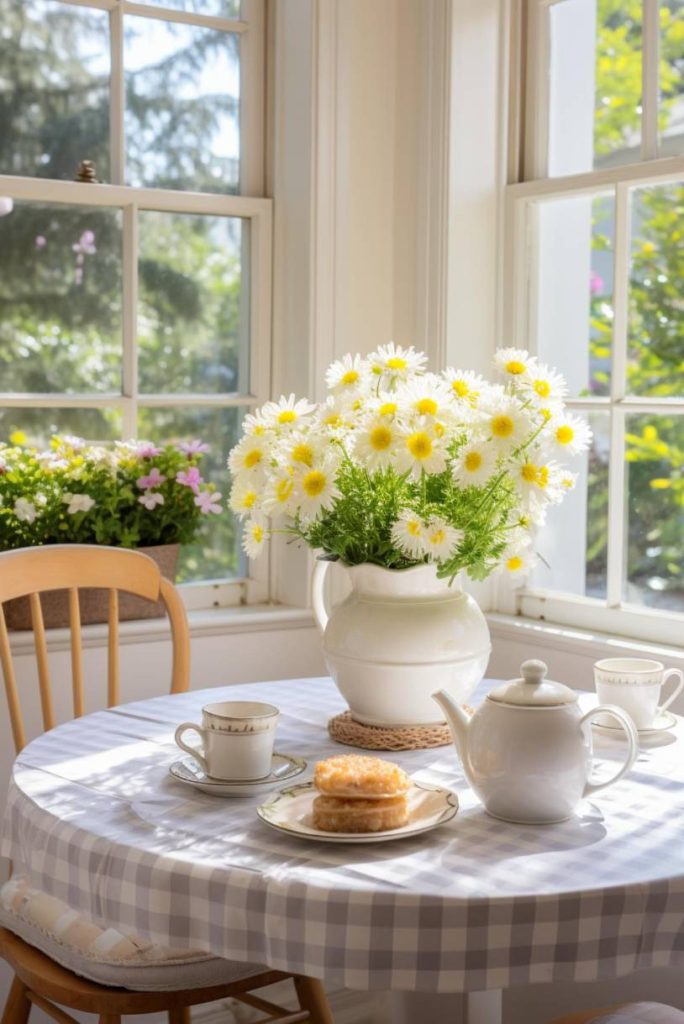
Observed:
{"x":476,"y":905}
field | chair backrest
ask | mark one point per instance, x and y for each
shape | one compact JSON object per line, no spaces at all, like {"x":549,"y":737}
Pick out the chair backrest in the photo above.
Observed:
{"x":28,"y":572}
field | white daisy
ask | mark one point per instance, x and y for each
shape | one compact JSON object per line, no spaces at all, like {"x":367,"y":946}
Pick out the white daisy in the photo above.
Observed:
{"x":348,"y":374}
{"x":244,"y":496}
{"x":408,"y":534}
{"x":254,"y":537}
{"x":254,"y":424}
{"x":474,"y":464}
{"x":302,"y":449}
{"x":568,"y":435}
{"x":464,"y":385}
{"x":517,"y":563}
{"x":546,"y":386}
{"x":316,"y":489}
{"x":426,"y":395}
{"x":336,"y":415}
{"x":506,"y":423}
{"x":420,"y":449}
{"x":395,"y":362}
{"x":441,"y":539}
{"x":567,"y":480}
{"x":250,"y":454}
{"x":286,"y":412}
{"x":513,"y":362}
{"x":279,"y":497}
{"x":376,"y":442}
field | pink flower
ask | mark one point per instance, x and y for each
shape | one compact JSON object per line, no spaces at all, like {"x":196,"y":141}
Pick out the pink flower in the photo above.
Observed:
{"x":153,"y":479}
{"x":150,"y":499}
{"x":41,"y":241}
{"x":596,"y":283}
{"x":209,"y":501}
{"x":191,"y":478}
{"x":193,"y":447}
{"x":146,"y":450}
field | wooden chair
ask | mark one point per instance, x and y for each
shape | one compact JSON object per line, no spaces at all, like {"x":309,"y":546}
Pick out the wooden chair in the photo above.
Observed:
{"x":39,"y":980}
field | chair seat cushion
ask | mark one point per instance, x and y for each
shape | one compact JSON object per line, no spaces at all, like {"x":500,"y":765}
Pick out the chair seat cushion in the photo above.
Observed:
{"x":108,"y":956}
{"x":642,"y":1013}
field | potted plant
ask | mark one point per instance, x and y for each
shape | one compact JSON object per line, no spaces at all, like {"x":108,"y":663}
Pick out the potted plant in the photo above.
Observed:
{"x":409,"y":479}
{"x":133,"y":494}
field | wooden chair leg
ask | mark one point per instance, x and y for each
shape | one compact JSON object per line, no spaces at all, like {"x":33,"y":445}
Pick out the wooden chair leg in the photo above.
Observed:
{"x":109,"y":1018}
{"x":18,"y":1005}
{"x":312,"y":997}
{"x":180,"y":1015}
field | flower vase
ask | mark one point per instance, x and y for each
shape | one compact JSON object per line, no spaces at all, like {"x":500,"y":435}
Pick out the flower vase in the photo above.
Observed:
{"x":398,"y":637}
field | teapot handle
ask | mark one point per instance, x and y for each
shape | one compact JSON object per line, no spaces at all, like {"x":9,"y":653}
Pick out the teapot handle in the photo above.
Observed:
{"x":632,"y":740}
{"x":318,"y":594}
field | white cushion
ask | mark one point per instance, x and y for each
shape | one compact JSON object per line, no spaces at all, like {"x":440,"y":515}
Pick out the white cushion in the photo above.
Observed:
{"x":107,"y":955}
{"x":643,"y":1013}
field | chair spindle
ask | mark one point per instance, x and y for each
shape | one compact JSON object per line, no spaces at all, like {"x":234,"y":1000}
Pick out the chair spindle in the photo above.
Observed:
{"x":13,"y":705}
{"x":42,"y":659}
{"x":76,"y":651}
{"x":113,"y":651}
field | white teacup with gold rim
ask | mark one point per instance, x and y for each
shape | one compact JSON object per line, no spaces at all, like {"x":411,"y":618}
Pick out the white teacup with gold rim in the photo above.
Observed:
{"x":237,"y":739}
{"x":635,"y":685}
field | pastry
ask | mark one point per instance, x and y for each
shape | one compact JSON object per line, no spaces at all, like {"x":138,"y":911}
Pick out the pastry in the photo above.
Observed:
{"x":357,"y":775}
{"x":341,"y":814}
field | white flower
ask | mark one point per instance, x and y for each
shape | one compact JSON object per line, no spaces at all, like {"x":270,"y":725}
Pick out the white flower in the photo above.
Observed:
{"x":316,"y":489}
{"x":250,"y":454}
{"x":420,"y":449}
{"x":408,"y":534}
{"x":150,"y":499}
{"x":286,"y":412}
{"x":426,"y":395}
{"x":567,"y":480}
{"x":376,"y":442}
{"x":301,"y":449}
{"x":244,"y":496}
{"x":336,"y":415}
{"x":347,"y":374}
{"x":254,"y":424}
{"x":547,"y":386}
{"x":78,"y":503}
{"x":254,"y":537}
{"x":464,"y":385}
{"x":396,"y":362}
{"x":506,"y":423}
{"x":517,"y":563}
{"x":441,"y":539}
{"x":567,"y":435}
{"x":474,"y":464}
{"x":513,"y":362}
{"x":279,"y":496}
{"x":25,"y":510}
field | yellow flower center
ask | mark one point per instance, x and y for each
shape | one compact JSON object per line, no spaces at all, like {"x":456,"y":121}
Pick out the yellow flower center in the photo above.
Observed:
{"x":461,"y":388}
{"x":543,"y":476}
{"x":252,"y":458}
{"x":287,"y":416}
{"x":546,"y":414}
{"x":314,"y":483}
{"x":419,"y":445}
{"x":350,"y":377}
{"x":333,"y":420}
{"x":472,"y":461}
{"x":426,"y":407}
{"x":514,"y":563}
{"x":388,"y":409}
{"x":438,"y":537}
{"x":515,"y":367}
{"x":413,"y":527}
{"x":543,"y":388}
{"x":259,"y":430}
{"x":529,"y":472}
{"x":380,"y":438}
{"x":302,"y":453}
{"x":565,"y":434}
{"x":249,"y":499}
{"x":257,"y":533}
{"x":502,"y":426}
{"x":284,"y":489}
{"x":396,"y":363}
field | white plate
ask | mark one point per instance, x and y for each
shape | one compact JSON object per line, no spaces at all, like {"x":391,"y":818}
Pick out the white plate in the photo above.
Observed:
{"x":290,"y":811}
{"x":283,"y":767}
{"x":662,"y":722}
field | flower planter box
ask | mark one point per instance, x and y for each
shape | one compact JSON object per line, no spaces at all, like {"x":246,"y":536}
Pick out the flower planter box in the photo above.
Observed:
{"x":94,"y":604}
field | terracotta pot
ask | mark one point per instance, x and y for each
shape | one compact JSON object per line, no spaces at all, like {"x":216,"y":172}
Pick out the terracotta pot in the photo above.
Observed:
{"x":95,"y":603}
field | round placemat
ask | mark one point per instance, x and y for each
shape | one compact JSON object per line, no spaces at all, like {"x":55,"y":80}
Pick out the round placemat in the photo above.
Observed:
{"x":345,"y":729}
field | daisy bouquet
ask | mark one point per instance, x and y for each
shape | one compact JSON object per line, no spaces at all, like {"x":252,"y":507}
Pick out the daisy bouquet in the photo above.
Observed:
{"x":399,"y":466}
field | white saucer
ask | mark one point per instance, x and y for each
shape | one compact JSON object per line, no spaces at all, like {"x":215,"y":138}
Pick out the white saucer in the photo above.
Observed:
{"x":283,"y":767}
{"x":662,"y":722}
{"x":289,"y":811}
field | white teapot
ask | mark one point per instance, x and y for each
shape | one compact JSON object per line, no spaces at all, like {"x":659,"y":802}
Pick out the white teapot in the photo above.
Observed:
{"x":527,"y":749}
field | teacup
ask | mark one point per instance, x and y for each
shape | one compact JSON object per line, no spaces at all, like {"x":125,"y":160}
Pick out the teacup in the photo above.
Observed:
{"x":635,"y":685}
{"x":237,"y":739}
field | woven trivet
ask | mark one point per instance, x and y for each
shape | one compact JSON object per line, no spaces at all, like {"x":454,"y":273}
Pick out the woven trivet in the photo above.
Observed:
{"x":345,"y":729}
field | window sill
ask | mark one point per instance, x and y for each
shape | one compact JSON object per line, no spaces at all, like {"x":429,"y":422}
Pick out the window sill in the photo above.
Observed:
{"x":205,"y":622}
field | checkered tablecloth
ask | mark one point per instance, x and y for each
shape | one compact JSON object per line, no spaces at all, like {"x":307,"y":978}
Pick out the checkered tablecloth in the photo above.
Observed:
{"x":96,"y":820}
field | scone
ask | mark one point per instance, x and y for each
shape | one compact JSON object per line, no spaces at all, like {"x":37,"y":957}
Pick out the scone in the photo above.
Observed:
{"x":356,"y":775}
{"x":338,"y":814}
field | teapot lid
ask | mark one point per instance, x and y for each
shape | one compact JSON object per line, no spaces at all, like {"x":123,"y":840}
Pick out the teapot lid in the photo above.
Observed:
{"x":533,"y":690}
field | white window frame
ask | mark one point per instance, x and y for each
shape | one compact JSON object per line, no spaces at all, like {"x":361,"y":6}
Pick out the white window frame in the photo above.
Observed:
{"x":257,"y":212}
{"x":520,"y":274}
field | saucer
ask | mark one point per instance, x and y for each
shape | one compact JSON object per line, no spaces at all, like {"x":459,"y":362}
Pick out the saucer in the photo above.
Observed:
{"x":662,"y":722}
{"x":283,"y":768}
{"x":289,"y":811}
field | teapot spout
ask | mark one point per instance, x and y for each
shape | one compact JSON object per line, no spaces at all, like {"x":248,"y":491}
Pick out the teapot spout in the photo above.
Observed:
{"x":459,"y":723}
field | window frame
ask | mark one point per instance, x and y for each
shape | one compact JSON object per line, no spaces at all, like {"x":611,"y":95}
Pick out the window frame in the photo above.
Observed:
{"x":528,"y":149}
{"x":254,"y":586}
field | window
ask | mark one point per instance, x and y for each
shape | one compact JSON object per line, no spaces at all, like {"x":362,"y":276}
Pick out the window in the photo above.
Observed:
{"x":593,"y":284}
{"x":138,"y":306}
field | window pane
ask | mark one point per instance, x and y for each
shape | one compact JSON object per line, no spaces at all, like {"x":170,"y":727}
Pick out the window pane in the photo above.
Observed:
{"x":574,"y":540}
{"x":54,"y":88}
{"x":60,"y":298}
{"x":220,"y":8}
{"x":594,"y":84}
{"x":655,"y":561}
{"x":193,"y":318}
{"x":182,"y":106}
{"x":35,"y":427}
{"x":656,"y":306}
{"x":216,"y":553}
{"x":574,"y":298}
{"x":671,"y":78}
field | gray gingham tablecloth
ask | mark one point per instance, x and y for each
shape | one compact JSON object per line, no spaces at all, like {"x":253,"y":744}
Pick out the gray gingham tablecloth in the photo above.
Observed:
{"x":95,"y":819}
